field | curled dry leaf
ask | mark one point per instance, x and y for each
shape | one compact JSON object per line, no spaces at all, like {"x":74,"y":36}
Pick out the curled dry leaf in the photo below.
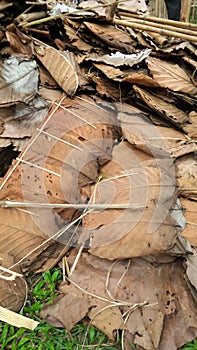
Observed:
{"x":118,"y":59}
{"x":165,"y":109}
{"x":112,"y":36}
{"x":59,"y":67}
{"x":171,"y":76}
{"x":153,"y":139}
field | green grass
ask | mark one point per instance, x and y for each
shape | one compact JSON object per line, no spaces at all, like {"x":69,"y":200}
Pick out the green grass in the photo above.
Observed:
{"x":44,"y":289}
{"x":191,"y":346}
{"x":46,"y":337}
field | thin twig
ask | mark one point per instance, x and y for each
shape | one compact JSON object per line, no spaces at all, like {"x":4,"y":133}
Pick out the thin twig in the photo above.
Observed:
{"x":91,"y":103}
{"x":76,"y":259}
{"x":191,"y":223}
{"x":74,"y":12}
{"x":78,"y":116}
{"x":32,"y":165}
{"x":63,"y":269}
{"x":54,"y":236}
{"x":107,"y":280}
{"x":61,"y":140}
{"x":124,"y":273}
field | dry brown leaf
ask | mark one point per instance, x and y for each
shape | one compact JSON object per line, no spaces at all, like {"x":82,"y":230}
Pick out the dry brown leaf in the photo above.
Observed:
{"x":59,"y":67}
{"x":19,"y":42}
{"x":150,"y":138}
{"x":75,"y":41}
{"x":12,"y":292}
{"x":135,"y":5}
{"x":1,"y":126}
{"x":108,"y":320}
{"x":68,"y":310}
{"x":46,"y":79}
{"x":24,"y":226}
{"x":99,"y":10}
{"x":190,"y":214}
{"x":140,"y":79}
{"x":165,"y":109}
{"x":51,"y":95}
{"x":110,"y":72}
{"x":171,"y":76}
{"x":187,"y":175}
{"x":108,"y":89}
{"x":158,"y":306}
{"x":61,"y":158}
{"x":22,"y":121}
{"x":191,"y":127}
{"x":111,"y":231}
{"x":191,"y":271}
{"x":112,"y":36}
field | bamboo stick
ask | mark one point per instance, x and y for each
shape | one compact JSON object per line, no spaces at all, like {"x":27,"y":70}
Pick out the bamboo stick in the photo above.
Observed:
{"x":94,"y":206}
{"x":191,"y":61}
{"x":129,"y":13}
{"x":162,"y":26}
{"x":160,"y":39}
{"x":17,"y":320}
{"x":155,"y":30}
{"x":64,"y":15}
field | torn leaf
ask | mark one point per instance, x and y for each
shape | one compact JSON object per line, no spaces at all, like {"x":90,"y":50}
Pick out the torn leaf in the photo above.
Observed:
{"x":118,"y":59}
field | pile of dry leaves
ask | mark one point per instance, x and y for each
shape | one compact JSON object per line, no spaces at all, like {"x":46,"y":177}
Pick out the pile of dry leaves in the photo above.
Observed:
{"x":98,"y":117}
